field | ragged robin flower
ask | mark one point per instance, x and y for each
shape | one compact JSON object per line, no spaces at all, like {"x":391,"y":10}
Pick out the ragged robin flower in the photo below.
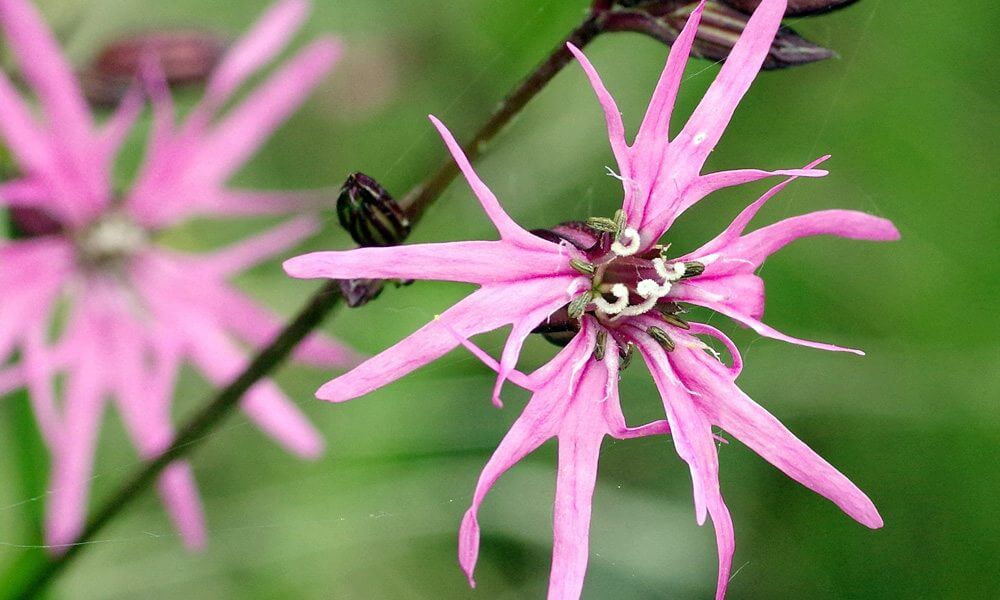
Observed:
{"x":615,"y":290}
{"x":91,"y":299}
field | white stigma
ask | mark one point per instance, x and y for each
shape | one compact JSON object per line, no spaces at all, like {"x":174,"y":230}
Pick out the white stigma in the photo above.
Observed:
{"x":620,"y":292}
{"x":631,"y":238}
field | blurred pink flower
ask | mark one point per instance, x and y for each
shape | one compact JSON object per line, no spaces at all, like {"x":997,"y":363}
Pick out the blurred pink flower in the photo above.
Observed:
{"x":613,"y":285}
{"x":92,"y":298}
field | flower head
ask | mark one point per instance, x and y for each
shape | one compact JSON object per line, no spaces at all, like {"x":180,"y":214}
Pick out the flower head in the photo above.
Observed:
{"x":92,"y":297}
{"x":612,"y":285}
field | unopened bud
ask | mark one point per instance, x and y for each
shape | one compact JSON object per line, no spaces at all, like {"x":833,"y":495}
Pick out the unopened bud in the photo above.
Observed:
{"x":369,"y":213}
{"x":796,"y":8}
{"x":721,"y":26}
{"x":185,"y":57}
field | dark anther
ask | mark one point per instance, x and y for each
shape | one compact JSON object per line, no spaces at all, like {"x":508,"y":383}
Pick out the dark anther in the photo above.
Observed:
{"x":625,"y":354}
{"x":693,"y":269}
{"x":602,"y":342}
{"x":676,"y":321}
{"x":662,"y":338}
{"x":368,"y":212}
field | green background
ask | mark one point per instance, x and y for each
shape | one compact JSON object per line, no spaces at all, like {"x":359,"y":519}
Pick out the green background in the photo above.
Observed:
{"x":909,"y":113}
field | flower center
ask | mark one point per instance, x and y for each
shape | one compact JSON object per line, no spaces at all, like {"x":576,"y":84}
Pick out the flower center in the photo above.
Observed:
{"x":110,"y":241}
{"x":622,"y":282}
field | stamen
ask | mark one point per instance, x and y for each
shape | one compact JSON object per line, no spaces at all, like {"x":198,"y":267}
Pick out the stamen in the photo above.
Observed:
{"x":661,"y":338}
{"x":676,"y":321}
{"x":631,"y":238}
{"x":602,"y":340}
{"x":582,"y":267}
{"x":579,"y":305}
{"x":620,"y":292}
{"x":693,"y":268}
{"x":626,"y":356}
{"x":602,"y":224}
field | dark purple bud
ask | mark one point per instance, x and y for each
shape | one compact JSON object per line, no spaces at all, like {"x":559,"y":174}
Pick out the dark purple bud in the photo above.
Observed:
{"x":720,"y":27}
{"x":368,"y":212}
{"x":559,"y":328}
{"x":796,"y":8}
{"x":28,"y":221}
{"x":185,"y":56}
{"x":358,"y":292}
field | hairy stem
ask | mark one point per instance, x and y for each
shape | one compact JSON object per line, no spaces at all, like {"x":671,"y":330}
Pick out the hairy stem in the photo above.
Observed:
{"x":34,"y":578}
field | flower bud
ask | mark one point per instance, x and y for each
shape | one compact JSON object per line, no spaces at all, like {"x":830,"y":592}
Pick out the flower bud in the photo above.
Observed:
{"x":185,"y":56}
{"x":368,"y":212}
{"x":30,"y":221}
{"x":796,"y":8}
{"x":722,"y":23}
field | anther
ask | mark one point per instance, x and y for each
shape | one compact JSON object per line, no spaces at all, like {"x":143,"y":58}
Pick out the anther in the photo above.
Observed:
{"x":599,"y":349}
{"x":582,"y":267}
{"x":662,"y":338}
{"x":602,"y":224}
{"x":579,"y":305}
{"x":693,"y":268}
{"x":626,"y":356}
{"x":676,"y":321}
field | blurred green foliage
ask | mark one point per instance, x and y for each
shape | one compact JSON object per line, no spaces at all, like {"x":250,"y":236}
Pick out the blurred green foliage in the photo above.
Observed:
{"x":909,"y":113}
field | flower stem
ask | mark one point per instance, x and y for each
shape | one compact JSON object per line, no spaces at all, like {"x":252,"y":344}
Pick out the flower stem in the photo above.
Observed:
{"x":35,"y":577}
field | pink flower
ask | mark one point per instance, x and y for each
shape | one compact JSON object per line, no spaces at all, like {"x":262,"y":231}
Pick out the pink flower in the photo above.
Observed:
{"x":93,"y":298}
{"x":618,"y":290}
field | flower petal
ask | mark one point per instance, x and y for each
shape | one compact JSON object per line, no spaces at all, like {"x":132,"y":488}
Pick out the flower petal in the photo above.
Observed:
{"x":73,"y":456}
{"x":673,"y":204}
{"x":613,"y":116}
{"x":220,"y":361}
{"x":483,"y":263}
{"x":486,"y":309}
{"x":716,"y":181}
{"x":258,"y":248}
{"x":533,"y":315}
{"x":47,"y":70}
{"x":579,"y":450}
{"x":268,"y":37}
{"x":508,"y":229}
{"x":758,"y":245}
{"x":539,"y":421}
{"x":695,"y":444}
{"x":735,"y":412}
{"x":241,"y":133}
{"x":655,"y":128}
{"x":703,"y":130}
{"x":179,"y":493}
